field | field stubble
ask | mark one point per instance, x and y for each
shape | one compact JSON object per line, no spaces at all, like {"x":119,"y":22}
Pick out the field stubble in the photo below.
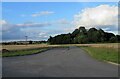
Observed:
{"x":20,"y":47}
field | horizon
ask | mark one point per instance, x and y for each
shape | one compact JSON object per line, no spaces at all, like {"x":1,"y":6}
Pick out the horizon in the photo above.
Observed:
{"x":39,"y":20}
{"x":49,"y":36}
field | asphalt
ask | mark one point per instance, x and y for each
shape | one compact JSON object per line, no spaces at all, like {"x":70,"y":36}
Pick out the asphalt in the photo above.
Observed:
{"x":57,"y":62}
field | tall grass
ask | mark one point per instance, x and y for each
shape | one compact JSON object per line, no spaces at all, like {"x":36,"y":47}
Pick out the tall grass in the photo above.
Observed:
{"x":102,"y":53}
{"x":23,"y":52}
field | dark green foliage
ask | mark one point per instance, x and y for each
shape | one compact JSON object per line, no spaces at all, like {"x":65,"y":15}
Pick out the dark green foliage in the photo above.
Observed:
{"x":74,"y":34}
{"x":93,"y":35}
{"x":30,"y":42}
{"x":60,"y":39}
{"x":113,"y":39}
{"x":101,"y":35}
{"x":108,"y":36}
{"x":82,"y":36}
{"x":118,"y":38}
{"x":23,"y":42}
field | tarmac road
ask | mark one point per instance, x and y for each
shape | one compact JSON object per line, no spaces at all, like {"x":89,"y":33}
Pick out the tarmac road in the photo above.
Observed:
{"x":58,"y":62}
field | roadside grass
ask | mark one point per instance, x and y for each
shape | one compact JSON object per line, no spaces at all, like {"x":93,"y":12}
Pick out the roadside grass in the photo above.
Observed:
{"x":108,"y":50}
{"x":29,"y":46}
{"x":103,"y":53}
{"x":23,"y":52}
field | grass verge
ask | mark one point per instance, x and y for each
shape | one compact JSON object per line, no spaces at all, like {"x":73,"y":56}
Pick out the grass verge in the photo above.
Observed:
{"x":102,"y":53}
{"x":30,"y":51}
{"x":23,"y":52}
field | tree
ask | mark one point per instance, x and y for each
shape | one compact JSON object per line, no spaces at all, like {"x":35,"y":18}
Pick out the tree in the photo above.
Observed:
{"x":113,"y":39}
{"x":92,"y":35}
{"x":50,"y":40}
{"x":82,"y":30}
{"x":82,"y":39}
{"x":30,"y":42}
{"x":101,"y":35}
{"x":118,"y":38}
{"x":108,"y":36}
{"x":81,"y":35}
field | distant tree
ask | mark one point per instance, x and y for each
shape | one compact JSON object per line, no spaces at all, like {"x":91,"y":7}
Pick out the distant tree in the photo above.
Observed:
{"x":113,"y":39}
{"x":81,"y":35}
{"x":101,"y":35}
{"x":75,"y":33}
{"x":30,"y":42}
{"x":82,"y":30}
{"x":108,"y":36}
{"x":82,"y":39}
{"x":92,"y":35}
{"x":118,"y":38}
{"x":50,"y":40}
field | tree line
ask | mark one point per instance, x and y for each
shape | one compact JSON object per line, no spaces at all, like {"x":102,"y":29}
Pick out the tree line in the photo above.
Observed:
{"x":23,"y":42}
{"x":84,"y":36}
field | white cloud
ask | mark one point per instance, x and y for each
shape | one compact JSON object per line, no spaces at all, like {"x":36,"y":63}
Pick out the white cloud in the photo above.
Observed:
{"x":2,"y":22}
{"x":42,"y":13}
{"x":42,"y":33}
{"x":100,"y":16}
{"x":32,"y":24}
{"x":18,"y":31}
{"x":62,"y":21}
{"x":8,"y":26}
{"x":5,"y":25}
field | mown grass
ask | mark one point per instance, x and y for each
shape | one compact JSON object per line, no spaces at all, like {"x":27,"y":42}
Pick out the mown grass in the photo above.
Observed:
{"x":23,"y":52}
{"x":102,"y":53}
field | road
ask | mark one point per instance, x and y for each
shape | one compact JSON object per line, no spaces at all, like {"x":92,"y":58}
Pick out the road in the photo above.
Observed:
{"x":58,"y":62}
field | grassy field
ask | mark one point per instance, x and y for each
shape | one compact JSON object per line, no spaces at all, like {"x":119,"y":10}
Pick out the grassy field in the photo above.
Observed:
{"x":19,"y":47}
{"x":98,"y":50}
{"x":30,"y":46}
{"x":23,"y":52}
{"x":103,"y":53}
{"x":20,"y":50}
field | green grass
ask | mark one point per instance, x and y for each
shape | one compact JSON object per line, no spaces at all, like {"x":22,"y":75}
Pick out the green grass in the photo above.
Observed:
{"x":23,"y":52}
{"x":102,"y":53}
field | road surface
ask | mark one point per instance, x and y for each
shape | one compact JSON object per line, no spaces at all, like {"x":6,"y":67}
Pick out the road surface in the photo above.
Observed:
{"x":58,"y":62}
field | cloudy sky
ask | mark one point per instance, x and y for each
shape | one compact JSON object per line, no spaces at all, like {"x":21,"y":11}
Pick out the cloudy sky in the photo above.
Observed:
{"x":39,"y":20}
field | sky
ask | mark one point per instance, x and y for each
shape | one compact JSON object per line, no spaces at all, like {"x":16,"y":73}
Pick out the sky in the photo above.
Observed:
{"x":39,"y":20}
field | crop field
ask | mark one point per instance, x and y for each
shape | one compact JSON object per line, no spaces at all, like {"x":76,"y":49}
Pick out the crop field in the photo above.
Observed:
{"x":16,"y":50}
{"x":20,"y":50}
{"x":106,"y":45}
{"x":19,"y":47}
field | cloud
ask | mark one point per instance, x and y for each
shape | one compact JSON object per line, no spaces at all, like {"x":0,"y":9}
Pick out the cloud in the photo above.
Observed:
{"x":102,"y":16}
{"x":8,"y":26}
{"x":42,"y":13}
{"x":5,"y":25}
{"x":2,"y":22}
{"x":32,"y":24}
{"x":34,"y":30}
{"x":42,"y":33}
{"x":18,"y":31}
{"x":63,"y":21}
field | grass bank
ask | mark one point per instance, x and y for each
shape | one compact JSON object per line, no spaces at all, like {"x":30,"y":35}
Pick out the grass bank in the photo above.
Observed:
{"x":28,"y":50}
{"x":23,"y":52}
{"x":102,"y":53}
